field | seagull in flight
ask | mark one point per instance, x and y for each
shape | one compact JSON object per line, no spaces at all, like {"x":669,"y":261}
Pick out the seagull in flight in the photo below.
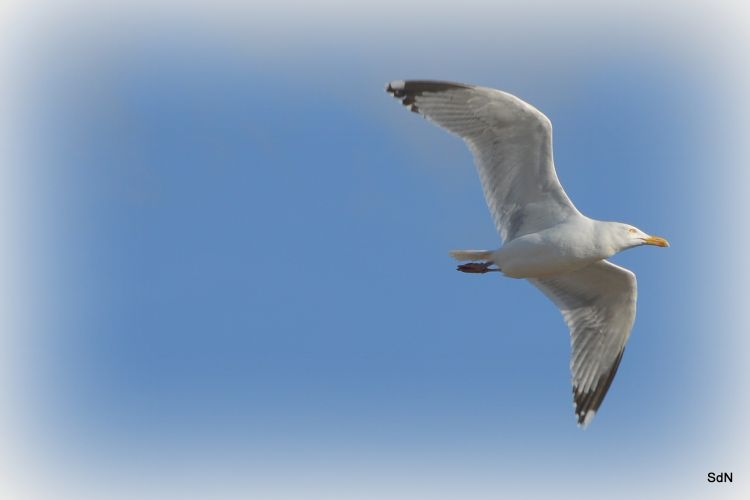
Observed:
{"x":546,"y":240}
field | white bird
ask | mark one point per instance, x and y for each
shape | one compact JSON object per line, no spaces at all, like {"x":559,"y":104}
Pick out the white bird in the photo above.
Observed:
{"x":546,"y":240}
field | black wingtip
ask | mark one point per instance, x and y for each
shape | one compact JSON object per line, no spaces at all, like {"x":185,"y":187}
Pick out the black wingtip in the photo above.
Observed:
{"x":409,"y":90}
{"x":589,"y":402}
{"x":396,"y":88}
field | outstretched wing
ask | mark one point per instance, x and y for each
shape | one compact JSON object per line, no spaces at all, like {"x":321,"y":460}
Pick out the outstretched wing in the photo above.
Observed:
{"x":598,"y":303}
{"x":512,"y":145}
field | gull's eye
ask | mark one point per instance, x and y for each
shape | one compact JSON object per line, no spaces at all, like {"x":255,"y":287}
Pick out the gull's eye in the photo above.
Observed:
{"x":632,"y":231}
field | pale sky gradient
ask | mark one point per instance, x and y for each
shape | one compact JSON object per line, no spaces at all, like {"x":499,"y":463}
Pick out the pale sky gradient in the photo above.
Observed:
{"x":230,"y":251}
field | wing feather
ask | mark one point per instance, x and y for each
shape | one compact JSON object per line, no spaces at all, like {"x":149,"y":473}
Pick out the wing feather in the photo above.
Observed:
{"x":512,"y":145}
{"x":598,"y":304}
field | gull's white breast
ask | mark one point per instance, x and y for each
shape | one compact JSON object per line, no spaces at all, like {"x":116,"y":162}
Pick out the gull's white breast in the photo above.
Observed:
{"x":560,"y":249}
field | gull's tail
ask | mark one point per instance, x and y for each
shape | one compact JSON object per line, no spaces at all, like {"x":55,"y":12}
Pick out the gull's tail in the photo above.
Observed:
{"x":471,"y":255}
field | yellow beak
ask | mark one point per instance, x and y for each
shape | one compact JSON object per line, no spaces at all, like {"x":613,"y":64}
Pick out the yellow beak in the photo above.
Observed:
{"x":655,"y":240}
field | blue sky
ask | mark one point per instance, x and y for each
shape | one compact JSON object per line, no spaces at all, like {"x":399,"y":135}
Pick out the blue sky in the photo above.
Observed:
{"x":252,"y":256}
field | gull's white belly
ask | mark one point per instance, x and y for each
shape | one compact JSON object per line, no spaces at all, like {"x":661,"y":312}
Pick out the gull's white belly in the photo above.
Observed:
{"x":539,"y":254}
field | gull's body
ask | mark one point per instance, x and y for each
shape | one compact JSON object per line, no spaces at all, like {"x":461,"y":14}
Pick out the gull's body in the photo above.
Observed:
{"x":554,"y":250}
{"x":546,"y":239}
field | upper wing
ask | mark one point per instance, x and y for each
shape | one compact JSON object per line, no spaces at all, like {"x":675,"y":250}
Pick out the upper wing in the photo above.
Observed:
{"x":598,"y":303}
{"x":512,"y":144}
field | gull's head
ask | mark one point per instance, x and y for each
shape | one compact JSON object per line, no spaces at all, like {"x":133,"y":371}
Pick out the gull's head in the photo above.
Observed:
{"x":630,"y":236}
